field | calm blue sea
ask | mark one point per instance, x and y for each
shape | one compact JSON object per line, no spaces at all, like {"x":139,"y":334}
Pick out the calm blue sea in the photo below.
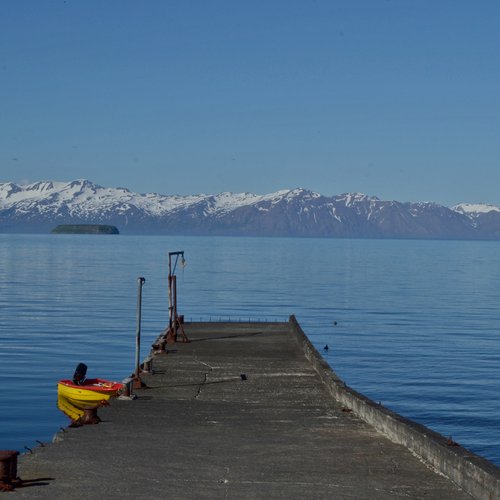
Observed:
{"x":413,"y":324}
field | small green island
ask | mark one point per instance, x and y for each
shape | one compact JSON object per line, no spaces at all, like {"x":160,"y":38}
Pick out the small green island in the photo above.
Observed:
{"x":85,"y":229}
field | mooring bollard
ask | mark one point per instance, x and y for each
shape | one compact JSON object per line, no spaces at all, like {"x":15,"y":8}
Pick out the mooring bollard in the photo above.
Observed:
{"x":163,"y":346}
{"x":8,"y":470}
{"x":160,"y":346}
{"x":147,"y":366}
{"x":128,"y":389}
{"x":90,"y":416}
{"x":128,"y":386}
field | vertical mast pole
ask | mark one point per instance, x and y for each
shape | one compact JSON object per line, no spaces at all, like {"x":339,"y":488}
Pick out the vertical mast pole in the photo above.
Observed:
{"x":140,"y":283}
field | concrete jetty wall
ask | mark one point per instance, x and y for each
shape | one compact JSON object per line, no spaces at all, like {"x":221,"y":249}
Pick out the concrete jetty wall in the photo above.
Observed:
{"x":475,"y":475}
{"x":243,"y":410}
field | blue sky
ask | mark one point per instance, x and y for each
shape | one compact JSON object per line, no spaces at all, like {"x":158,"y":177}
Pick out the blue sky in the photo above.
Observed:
{"x":394,"y":98}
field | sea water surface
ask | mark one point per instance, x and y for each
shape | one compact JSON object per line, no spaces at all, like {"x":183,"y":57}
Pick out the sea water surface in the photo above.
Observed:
{"x":412,"y":324}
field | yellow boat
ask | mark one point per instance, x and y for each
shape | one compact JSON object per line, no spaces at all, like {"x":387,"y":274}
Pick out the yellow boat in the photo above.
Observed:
{"x":90,"y":392}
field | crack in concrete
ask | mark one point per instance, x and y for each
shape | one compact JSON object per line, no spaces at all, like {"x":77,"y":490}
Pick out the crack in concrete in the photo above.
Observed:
{"x":201,"y":385}
{"x":205,"y":376}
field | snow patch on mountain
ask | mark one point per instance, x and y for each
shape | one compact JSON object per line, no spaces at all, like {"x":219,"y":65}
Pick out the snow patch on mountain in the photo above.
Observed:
{"x":472,"y":209}
{"x":82,"y":196}
{"x":351,"y":199}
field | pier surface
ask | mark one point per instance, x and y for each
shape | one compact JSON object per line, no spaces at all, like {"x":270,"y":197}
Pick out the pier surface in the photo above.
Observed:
{"x":237,"y":413}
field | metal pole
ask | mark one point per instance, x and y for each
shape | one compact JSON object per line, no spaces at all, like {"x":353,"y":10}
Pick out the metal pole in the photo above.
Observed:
{"x":140,"y":283}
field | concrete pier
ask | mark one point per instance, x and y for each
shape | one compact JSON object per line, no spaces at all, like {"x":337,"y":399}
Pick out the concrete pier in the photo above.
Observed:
{"x":243,"y":411}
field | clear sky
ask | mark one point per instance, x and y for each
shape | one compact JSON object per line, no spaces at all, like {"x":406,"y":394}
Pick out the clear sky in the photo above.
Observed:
{"x":394,"y":98}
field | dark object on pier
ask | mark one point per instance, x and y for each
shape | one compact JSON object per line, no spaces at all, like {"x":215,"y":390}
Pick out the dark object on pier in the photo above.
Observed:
{"x":243,"y":376}
{"x":80,"y":374}
{"x":147,"y":366}
{"x":8,"y":470}
{"x":90,"y":416}
{"x":160,"y":343}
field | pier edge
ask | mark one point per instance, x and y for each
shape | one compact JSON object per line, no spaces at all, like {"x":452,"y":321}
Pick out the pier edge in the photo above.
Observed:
{"x":474,"y":474}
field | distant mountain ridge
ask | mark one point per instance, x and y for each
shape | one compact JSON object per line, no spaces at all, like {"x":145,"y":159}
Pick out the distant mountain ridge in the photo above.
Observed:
{"x":38,"y":207}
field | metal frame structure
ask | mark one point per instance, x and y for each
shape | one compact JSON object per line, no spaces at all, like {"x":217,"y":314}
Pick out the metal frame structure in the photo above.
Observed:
{"x":174,"y":320}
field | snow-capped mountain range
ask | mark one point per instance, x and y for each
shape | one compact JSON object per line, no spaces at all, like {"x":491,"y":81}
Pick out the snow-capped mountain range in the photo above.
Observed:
{"x":40,"y":206}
